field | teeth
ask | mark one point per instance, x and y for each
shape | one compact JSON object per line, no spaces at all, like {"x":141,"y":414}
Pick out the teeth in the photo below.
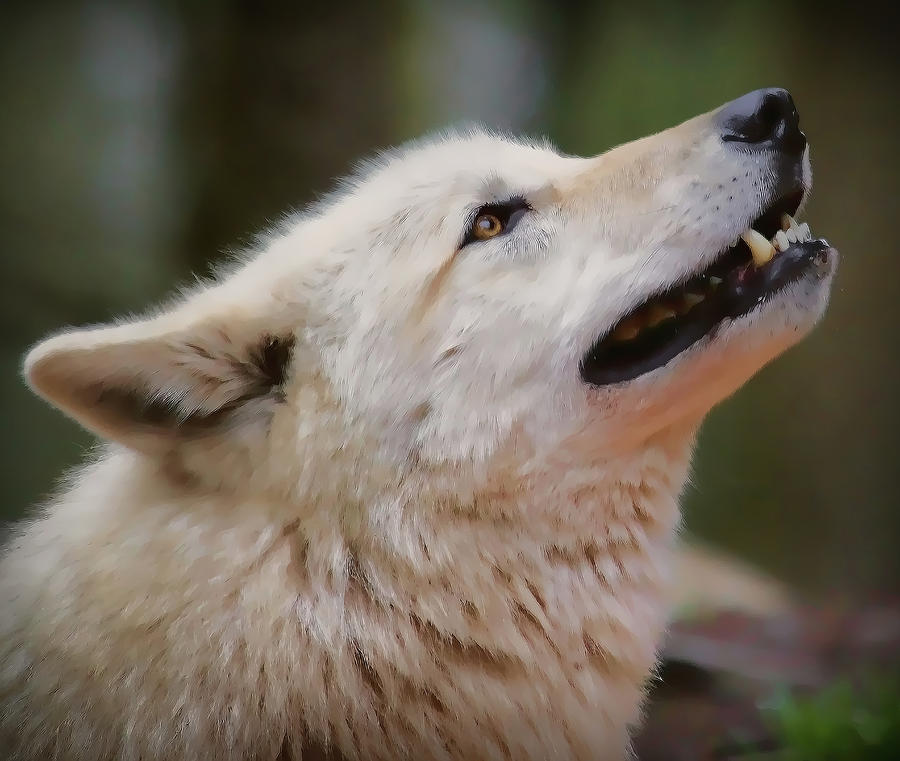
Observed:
{"x":760,"y":248}
{"x":650,"y":317}
{"x":762,"y":251}
{"x":781,"y":241}
{"x":628,"y":330}
{"x":658,"y":313}
{"x":690,"y":300}
{"x":795,"y":233}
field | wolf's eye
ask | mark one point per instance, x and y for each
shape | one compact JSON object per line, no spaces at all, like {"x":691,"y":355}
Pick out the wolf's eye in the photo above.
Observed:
{"x":487,"y":226}
{"x":495,"y":219}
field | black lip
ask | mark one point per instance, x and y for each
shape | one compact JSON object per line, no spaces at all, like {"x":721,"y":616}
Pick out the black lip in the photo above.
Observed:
{"x":742,"y":290}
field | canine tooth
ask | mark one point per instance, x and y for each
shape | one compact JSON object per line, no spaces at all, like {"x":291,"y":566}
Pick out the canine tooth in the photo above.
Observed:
{"x":803,"y":232}
{"x":627,"y":330}
{"x":787,"y":222}
{"x":714,"y":282}
{"x":761,"y":250}
{"x":781,"y":241}
{"x":658,"y":313}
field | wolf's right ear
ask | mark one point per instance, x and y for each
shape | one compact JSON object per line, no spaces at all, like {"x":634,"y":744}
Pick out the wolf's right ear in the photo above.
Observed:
{"x":147,"y":384}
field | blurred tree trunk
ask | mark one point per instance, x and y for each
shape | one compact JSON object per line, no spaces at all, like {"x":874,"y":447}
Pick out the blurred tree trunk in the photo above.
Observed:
{"x":258,"y":80}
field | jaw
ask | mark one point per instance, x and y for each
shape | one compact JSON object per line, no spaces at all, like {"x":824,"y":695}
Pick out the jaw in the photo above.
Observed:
{"x":677,"y":395}
{"x":667,"y":326}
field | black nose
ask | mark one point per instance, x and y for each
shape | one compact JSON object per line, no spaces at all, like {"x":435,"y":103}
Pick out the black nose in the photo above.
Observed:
{"x":763,"y":118}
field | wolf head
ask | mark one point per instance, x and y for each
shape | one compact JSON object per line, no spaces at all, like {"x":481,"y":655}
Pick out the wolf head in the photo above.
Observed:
{"x":473,"y":295}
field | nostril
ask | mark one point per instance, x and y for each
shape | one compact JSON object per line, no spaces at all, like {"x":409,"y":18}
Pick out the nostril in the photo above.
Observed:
{"x":763,"y":116}
{"x":770,"y":116}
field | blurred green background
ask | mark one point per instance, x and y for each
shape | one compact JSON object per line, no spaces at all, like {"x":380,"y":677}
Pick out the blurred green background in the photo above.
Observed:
{"x":140,"y":140}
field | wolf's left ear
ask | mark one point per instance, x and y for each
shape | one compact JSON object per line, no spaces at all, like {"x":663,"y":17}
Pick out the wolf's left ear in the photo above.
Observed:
{"x":145,"y":384}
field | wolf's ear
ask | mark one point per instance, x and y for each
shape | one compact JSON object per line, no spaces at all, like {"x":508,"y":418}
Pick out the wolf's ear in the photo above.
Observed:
{"x":145,"y":384}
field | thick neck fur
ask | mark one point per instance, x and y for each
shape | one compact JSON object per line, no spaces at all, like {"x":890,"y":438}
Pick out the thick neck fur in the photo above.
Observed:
{"x":512,"y":620}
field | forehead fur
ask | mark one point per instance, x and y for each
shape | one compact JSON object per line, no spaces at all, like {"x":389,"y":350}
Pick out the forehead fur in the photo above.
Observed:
{"x":472,"y":148}
{"x":471,"y":159}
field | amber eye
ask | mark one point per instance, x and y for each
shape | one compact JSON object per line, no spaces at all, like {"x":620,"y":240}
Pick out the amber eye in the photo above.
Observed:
{"x":487,"y":226}
{"x":495,"y":219}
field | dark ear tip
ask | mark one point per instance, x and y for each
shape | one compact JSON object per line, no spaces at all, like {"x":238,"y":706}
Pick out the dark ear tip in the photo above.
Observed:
{"x":132,"y":385}
{"x":273,"y":357}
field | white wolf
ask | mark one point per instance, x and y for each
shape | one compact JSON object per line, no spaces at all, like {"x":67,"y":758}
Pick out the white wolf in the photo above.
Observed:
{"x":403,"y":484}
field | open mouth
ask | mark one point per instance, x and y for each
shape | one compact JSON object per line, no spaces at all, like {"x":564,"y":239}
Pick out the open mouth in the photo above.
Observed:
{"x":770,"y":255}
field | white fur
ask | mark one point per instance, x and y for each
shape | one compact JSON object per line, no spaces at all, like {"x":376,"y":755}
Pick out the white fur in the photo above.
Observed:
{"x":433,"y":540}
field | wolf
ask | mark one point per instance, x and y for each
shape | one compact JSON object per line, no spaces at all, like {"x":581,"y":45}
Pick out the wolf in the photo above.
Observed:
{"x":403,"y":482}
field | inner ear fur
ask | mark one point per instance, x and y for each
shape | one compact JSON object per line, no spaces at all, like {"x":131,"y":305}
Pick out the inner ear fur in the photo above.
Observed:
{"x":142,"y":385}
